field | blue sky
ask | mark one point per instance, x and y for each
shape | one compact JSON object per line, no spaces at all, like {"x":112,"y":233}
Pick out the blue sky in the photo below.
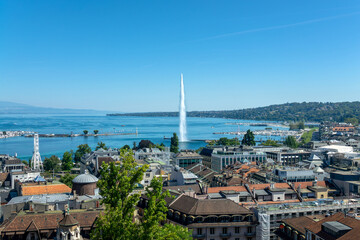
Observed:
{"x":128,"y":55}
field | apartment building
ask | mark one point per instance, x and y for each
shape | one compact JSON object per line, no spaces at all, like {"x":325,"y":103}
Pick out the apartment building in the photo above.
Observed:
{"x":211,"y":219}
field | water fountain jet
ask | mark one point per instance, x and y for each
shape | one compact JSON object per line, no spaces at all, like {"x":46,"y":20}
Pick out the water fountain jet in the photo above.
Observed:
{"x":182,"y":113}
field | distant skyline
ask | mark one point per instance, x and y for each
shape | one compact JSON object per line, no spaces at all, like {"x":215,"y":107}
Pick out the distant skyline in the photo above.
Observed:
{"x":127,"y":56}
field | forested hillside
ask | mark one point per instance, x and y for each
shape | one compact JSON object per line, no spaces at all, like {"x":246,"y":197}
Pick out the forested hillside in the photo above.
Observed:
{"x":306,"y":111}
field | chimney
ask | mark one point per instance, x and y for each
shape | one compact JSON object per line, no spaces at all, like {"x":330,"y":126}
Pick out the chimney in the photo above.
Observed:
{"x":299,"y":188}
{"x":272,"y":185}
{"x":314,"y":183}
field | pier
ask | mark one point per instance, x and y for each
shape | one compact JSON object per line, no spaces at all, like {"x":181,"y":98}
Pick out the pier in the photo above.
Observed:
{"x":53,"y":135}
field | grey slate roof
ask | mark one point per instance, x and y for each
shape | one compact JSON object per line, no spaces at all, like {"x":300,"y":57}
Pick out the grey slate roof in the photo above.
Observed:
{"x":85,"y":178}
{"x":40,"y":198}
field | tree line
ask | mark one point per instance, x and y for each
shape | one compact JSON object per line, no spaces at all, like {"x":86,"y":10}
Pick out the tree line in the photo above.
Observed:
{"x":291,"y":112}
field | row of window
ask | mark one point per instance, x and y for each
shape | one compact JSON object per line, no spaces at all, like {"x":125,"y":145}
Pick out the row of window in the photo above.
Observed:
{"x":224,"y":230}
{"x":229,"y":161}
{"x":187,"y":162}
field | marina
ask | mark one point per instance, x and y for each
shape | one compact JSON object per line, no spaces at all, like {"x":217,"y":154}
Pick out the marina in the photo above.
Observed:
{"x":258,"y":124}
{"x":273,"y":133}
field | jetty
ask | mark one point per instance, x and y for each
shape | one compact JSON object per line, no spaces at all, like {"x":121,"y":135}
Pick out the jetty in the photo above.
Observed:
{"x":55,"y":135}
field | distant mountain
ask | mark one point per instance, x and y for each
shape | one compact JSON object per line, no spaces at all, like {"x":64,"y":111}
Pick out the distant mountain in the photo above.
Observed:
{"x":19,"y":108}
{"x":305,"y":111}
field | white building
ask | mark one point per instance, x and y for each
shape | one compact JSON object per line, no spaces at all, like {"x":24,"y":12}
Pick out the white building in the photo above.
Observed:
{"x":22,"y":176}
{"x":221,"y":159}
{"x":182,"y":177}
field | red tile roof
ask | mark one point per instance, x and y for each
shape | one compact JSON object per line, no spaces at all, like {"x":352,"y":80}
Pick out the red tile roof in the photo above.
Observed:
{"x":251,"y":170}
{"x":44,"y":189}
{"x":309,"y":184}
{"x":235,"y":188}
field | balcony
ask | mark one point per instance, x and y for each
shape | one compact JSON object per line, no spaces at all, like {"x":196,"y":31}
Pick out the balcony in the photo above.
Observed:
{"x":251,"y":234}
{"x":225,"y":234}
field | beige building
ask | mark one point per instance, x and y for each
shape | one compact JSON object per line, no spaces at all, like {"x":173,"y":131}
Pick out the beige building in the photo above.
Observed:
{"x":211,"y":219}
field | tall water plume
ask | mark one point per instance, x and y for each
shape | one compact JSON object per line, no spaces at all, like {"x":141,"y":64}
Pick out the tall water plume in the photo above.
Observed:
{"x":182,"y":113}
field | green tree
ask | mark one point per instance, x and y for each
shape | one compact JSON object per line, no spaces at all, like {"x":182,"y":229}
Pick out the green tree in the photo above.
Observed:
{"x":291,"y":142}
{"x":67,"y":179}
{"x":211,"y":143}
{"x":101,"y":145}
{"x":125,"y":147}
{"x":85,"y":132}
{"x":67,"y":161}
{"x":26,"y":163}
{"x":174,"y":143}
{"x":52,"y":163}
{"x":145,"y":144}
{"x":297,"y":126}
{"x":82,"y":149}
{"x":159,"y":146}
{"x":353,"y":121}
{"x":117,"y":184}
{"x":270,"y":142}
{"x":199,"y":149}
{"x":301,"y":125}
{"x":96,"y":132}
{"x":224,"y":141}
{"x":155,"y":212}
{"x":249,"y":139}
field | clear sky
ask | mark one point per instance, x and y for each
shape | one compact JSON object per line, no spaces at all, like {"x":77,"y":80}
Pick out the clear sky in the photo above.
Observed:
{"x":128,"y":55}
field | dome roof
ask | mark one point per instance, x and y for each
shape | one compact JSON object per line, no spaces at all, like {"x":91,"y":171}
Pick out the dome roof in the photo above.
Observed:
{"x":85,"y":178}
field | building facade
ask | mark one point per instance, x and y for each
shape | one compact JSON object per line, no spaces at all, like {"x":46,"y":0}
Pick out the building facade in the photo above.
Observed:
{"x":221,"y":159}
{"x":211,"y":219}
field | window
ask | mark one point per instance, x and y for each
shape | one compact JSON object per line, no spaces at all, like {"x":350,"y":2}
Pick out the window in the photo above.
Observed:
{"x":199,"y":231}
{"x":237,"y":229}
{"x":212,"y":230}
{"x":249,"y":230}
{"x":224,"y":230}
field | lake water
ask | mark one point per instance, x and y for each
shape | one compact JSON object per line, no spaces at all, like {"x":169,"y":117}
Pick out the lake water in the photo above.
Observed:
{"x":151,"y":128}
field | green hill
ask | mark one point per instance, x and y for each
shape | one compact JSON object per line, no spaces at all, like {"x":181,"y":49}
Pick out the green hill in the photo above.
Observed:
{"x":305,"y":111}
